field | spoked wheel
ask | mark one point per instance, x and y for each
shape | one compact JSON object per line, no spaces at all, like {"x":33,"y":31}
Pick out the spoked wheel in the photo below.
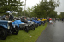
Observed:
{"x":38,"y":24}
{"x":15,"y":31}
{"x":43,"y":24}
{"x":33,"y":27}
{"x":3,"y":34}
{"x":26,"y":29}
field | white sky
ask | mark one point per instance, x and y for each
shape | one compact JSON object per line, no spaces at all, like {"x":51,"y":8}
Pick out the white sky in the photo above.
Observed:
{"x":30,"y":3}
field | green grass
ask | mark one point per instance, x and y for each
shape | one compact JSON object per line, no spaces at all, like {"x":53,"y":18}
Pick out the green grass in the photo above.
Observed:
{"x":25,"y":37}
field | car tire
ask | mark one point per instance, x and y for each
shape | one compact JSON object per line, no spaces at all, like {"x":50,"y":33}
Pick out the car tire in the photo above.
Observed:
{"x":38,"y":24}
{"x":3,"y":33}
{"x":26,"y":29}
{"x":34,"y":28}
{"x":15,"y":32}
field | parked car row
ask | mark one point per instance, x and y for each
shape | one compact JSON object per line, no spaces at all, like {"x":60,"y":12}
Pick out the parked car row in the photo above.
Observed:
{"x":13,"y":27}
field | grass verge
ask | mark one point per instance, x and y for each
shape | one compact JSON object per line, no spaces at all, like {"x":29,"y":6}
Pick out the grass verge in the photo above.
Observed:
{"x":31,"y":36}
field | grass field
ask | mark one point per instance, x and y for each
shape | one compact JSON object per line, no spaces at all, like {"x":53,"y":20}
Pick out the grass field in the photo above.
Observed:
{"x":31,"y":36}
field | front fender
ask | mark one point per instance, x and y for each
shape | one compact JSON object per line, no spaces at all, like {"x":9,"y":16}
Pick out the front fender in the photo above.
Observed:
{"x":4,"y":26}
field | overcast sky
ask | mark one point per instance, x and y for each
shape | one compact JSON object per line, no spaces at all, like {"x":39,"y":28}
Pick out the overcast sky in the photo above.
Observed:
{"x":61,"y":6}
{"x":30,"y":3}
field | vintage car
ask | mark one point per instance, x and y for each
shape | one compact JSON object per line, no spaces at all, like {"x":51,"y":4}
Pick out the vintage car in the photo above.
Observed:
{"x":6,"y":28}
{"x":36,"y":25}
{"x":21,"y":25}
{"x":30,"y":23}
{"x":38,"y":22}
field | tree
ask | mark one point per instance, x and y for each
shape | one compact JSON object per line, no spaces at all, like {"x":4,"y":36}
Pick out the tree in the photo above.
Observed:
{"x":62,"y":14}
{"x":26,"y":13}
{"x":59,"y":16}
{"x":53,"y":14}
{"x":28,"y":10}
{"x":10,"y":5}
{"x":45,"y":8}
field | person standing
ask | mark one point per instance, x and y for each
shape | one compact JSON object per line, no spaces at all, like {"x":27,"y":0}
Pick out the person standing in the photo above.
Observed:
{"x":54,"y":19}
{"x":4,"y":17}
{"x":47,"y":19}
{"x":62,"y":19}
{"x":36,"y":18}
{"x":10,"y":17}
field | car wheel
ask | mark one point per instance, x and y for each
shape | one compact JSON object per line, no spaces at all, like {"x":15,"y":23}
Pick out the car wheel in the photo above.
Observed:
{"x":3,"y":34}
{"x":26,"y":29}
{"x":33,"y":27}
{"x":15,"y":32}
{"x":38,"y":24}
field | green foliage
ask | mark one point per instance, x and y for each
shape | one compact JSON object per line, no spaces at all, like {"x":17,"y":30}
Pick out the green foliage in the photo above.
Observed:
{"x":26,"y":13}
{"x":59,"y":16}
{"x":10,"y":5}
{"x":53,"y":14}
{"x":62,"y":14}
{"x":45,"y":9}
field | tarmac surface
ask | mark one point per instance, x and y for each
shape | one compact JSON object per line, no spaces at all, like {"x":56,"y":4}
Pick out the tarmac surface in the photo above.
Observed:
{"x":53,"y":33}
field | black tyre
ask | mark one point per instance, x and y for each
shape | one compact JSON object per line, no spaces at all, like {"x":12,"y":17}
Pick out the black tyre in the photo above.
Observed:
{"x":15,"y":31}
{"x":26,"y":29}
{"x":33,"y":27}
{"x":3,"y":34}
{"x":38,"y":24}
{"x":20,"y":28}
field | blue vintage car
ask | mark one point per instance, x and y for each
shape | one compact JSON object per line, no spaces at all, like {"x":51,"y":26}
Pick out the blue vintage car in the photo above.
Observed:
{"x":6,"y":27}
{"x":21,"y":25}
{"x":36,"y":25}
{"x":37,"y":22}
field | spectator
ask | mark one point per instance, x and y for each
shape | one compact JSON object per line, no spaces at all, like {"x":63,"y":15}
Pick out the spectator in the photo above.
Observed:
{"x":54,"y":19}
{"x":47,"y":19}
{"x":7,"y":17}
{"x":10,"y":17}
{"x":4,"y":17}
{"x":62,"y":19}
{"x":36,"y":18}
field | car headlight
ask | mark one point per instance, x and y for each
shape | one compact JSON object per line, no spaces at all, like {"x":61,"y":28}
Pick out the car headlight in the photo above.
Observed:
{"x":32,"y":22}
{"x":14,"y":26}
{"x":23,"y":23}
{"x":8,"y":27}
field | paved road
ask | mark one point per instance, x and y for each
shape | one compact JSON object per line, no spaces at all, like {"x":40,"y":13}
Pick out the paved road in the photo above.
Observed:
{"x":53,"y":33}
